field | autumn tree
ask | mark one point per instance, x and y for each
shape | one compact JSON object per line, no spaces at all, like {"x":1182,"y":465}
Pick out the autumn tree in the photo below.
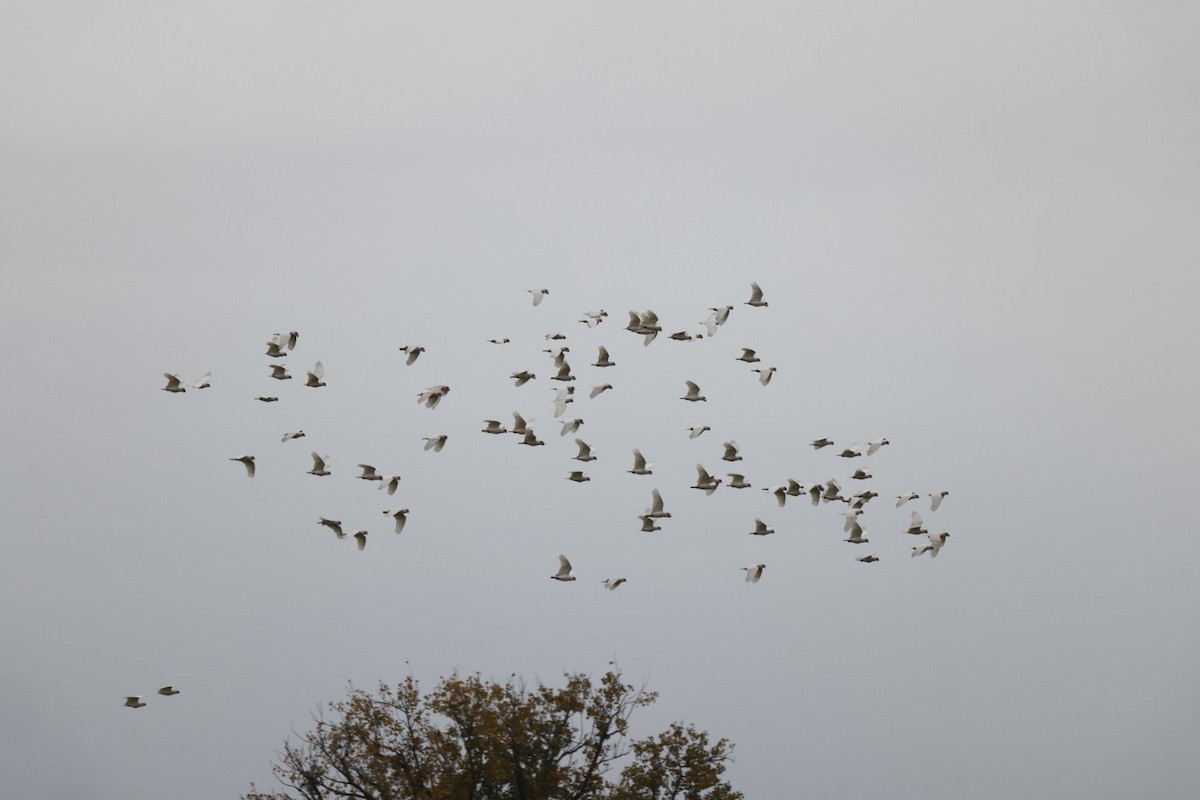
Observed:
{"x":476,"y":739}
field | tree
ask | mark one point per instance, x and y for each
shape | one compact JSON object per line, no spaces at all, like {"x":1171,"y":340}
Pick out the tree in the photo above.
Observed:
{"x":476,"y":739}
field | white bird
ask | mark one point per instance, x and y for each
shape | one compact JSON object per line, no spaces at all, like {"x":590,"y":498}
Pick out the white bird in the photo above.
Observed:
{"x":564,"y":570}
{"x":833,"y":491}
{"x":577,"y":476}
{"x":556,"y":336}
{"x":288,"y":339}
{"x":862,"y":498}
{"x":433,"y":395}
{"x":875,"y":444}
{"x":764,"y":375}
{"x":693,"y":393}
{"x":599,"y":390}
{"x":435,"y":443}
{"x":794,"y":489}
{"x":168,"y":691}
{"x":755,"y":572}
{"x":361,"y":538}
{"x":413,"y":353}
{"x":761,"y":529}
{"x":917,"y":525}
{"x":368,"y":473}
{"x":901,"y":499}
{"x":756,"y":296}
{"x":867,"y":559}
{"x":562,"y":396}
{"x":656,"y":506}
{"x":716,"y":319}
{"x":319,"y":465}
{"x":503,"y":340}
{"x":173,"y":383}
{"x":851,"y":452}
{"x":731,"y":452}
{"x":204,"y":382}
{"x":684,"y":336}
{"x":936,"y":499}
{"x":694,"y":432}
{"x":523,"y":377}
{"x":249,"y":462}
{"x":134,"y":701}
{"x":738,"y":482}
{"x":936,"y":540}
{"x":570,"y":426}
{"x":861,"y":474}
{"x":705,"y":482}
{"x":748,"y":356}
{"x":334,"y":525}
{"x":603,"y":360}
{"x":316,"y":376}
{"x":585,"y":452}
{"x":279,"y":372}
{"x":559,"y":354}
{"x":640,"y":467}
{"x":921,"y":550}
{"x":779,"y":493}
{"x":538,"y":294}
{"x":520,"y":426}
{"x":267,"y":399}
{"x":648,"y":525}
{"x":391,"y":483}
{"x":822,"y":442}
{"x":855,"y":530}
{"x":493,"y":426}
{"x":564,"y":373}
{"x":275,"y":349}
{"x":292,"y":435}
{"x":400,"y":515}
{"x":531,"y":439}
{"x":613,"y":583}
{"x":816,"y":491}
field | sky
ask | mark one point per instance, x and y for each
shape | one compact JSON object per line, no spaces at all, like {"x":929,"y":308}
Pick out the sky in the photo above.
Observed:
{"x":974,"y":225}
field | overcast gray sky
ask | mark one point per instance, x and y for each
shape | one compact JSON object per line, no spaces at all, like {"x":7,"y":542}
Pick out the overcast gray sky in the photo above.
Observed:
{"x":976,"y":228}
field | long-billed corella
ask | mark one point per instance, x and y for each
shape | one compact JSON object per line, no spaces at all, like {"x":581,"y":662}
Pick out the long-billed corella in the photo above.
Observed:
{"x":565,"y":573}
{"x":248,"y":461}
{"x":316,"y":376}
{"x":398,"y":514}
{"x":753,"y":573}
{"x":693,"y":393}
{"x":320,"y":465}
{"x":640,"y":467}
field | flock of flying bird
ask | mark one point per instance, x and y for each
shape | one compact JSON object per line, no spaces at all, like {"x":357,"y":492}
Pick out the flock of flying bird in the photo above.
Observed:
{"x":644,"y":324}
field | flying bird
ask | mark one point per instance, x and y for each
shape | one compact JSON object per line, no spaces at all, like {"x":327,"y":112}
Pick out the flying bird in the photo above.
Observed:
{"x":563,"y":396}
{"x":564,"y":373}
{"x":316,"y":378}
{"x":874,"y":445}
{"x":738,"y":482}
{"x":564,"y":570}
{"x":523,"y":377}
{"x":391,"y":483}
{"x":867,"y":559}
{"x":640,"y":467}
{"x":761,"y":529}
{"x":936,"y":540}
{"x":936,"y":499}
{"x":435,"y":443}
{"x":585,"y":452}
{"x":319,"y":465}
{"x":504,"y":340}
{"x":756,"y":296}
{"x":400,"y":515}
{"x":368,"y":473}
{"x":570,"y":426}
{"x":249,"y":462}
{"x":432,"y":396}
{"x":334,"y":525}
{"x":530,"y":439}
{"x":603,"y":360}
{"x":693,"y":393}
{"x":753,"y":573}
{"x":731,"y":452}
{"x":648,"y":525}
{"x":279,"y":372}
{"x":917,"y":525}
{"x":748,"y":356}
{"x":861,"y":474}
{"x":764,"y":375}
{"x":288,"y":339}
{"x":520,"y":426}
{"x":413,"y":353}
{"x":538,"y":294}
{"x":684,"y":336}
{"x":599,"y":390}
{"x":901,"y":499}
{"x":361,"y":538}
{"x":204,"y":382}
{"x":173,"y":383}
{"x":694,"y":432}
{"x":822,"y":442}
{"x":493,"y":426}
{"x":275,"y":349}
{"x":167,"y":691}
{"x":267,"y":399}
{"x":855,"y":530}
{"x":577,"y":476}
{"x":292,"y":435}
{"x":851,"y":452}
{"x":613,"y":583}
{"x":656,"y":506}
{"x":705,"y":482}
{"x":134,"y":701}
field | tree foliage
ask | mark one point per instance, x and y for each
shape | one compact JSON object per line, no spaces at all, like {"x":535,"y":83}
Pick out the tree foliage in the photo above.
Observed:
{"x":476,"y":739}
